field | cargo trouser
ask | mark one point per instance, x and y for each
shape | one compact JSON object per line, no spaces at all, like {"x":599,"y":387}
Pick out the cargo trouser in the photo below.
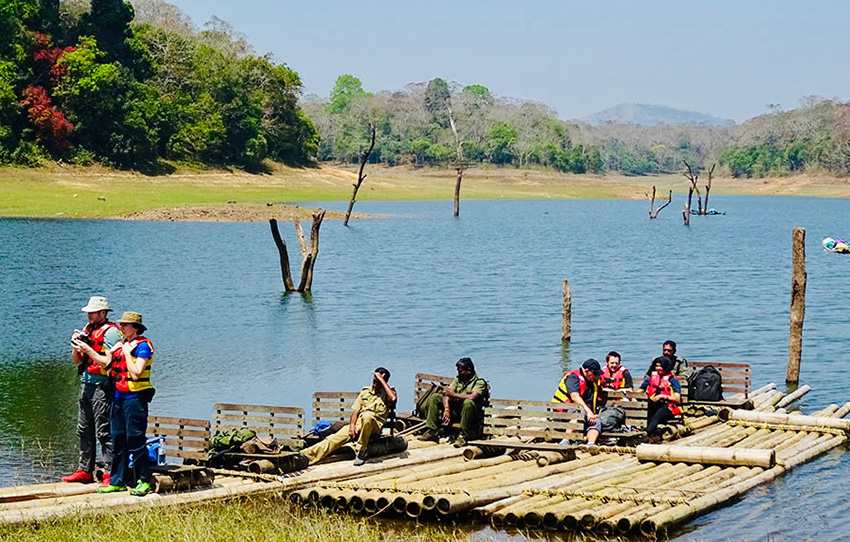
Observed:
{"x":129,"y":423}
{"x":468,"y":414}
{"x":93,"y":425}
{"x":367,"y":425}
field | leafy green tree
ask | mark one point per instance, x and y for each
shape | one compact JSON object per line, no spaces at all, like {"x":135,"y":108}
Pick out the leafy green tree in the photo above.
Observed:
{"x":500,"y":143}
{"x":437,"y":101}
{"x":346,"y":89}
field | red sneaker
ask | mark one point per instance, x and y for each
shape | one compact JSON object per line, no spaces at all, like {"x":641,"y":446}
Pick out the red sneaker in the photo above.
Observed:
{"x":79,"y":476}
{"x":106,"y":479}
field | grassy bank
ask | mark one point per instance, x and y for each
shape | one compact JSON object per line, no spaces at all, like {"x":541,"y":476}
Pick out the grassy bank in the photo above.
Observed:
{"x":245,"y":520}
{"x":102,"y":193}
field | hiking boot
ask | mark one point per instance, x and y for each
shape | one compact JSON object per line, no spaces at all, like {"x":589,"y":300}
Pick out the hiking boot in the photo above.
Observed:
{"x":460,"y":441}
{"x":429,"y":436}
{"x":142,"y":488}
{"x":360,"y":460}
{"x":111,"y":489}
{"x":79,"y":476}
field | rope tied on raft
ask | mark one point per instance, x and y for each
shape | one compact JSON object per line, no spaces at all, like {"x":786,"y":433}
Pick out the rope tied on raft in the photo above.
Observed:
{"x":787,"y":427}
{"x":641,"y":498}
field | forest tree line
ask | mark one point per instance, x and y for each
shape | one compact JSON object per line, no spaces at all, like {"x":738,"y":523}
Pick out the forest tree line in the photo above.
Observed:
{"x":137,"y":85}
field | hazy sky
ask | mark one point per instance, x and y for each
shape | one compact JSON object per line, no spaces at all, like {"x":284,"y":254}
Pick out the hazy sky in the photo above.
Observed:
{"x":726,"y":58}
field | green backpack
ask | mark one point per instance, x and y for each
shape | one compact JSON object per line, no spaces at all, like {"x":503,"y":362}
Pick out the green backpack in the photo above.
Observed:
{"x":224,"y":440}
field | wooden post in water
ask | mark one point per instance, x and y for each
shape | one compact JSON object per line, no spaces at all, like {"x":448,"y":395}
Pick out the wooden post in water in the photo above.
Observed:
{"x":798,"y":304}
{"x":566,"y":323}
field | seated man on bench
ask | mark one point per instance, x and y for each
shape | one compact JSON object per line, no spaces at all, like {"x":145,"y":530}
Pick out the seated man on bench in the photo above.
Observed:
{"x":582,"y":388}
{"x":462,"y":401}
{"x":369,"y":413}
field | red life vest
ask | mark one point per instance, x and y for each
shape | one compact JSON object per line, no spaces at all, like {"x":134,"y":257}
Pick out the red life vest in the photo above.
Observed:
{"x":661,"y":385}
{"x":614,"y":380}
{"x":124,"y":382}
{"x":96,"y":340}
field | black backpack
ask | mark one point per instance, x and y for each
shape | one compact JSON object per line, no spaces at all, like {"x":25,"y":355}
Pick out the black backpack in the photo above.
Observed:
{"x":705,"y":385}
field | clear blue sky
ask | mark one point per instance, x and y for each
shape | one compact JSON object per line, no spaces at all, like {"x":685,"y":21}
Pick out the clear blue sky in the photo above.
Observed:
{"x":726,"y":58}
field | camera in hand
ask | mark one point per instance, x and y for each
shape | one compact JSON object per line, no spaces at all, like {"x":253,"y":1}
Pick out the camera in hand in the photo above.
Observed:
{"x":83,"y":338}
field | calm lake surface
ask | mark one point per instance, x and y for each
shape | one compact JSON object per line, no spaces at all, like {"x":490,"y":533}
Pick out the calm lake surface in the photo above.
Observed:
{"x":417,"y":291}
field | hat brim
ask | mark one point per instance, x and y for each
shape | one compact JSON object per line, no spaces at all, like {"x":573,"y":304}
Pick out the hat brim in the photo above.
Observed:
{"x":94,"y":309}
{"x":142,"y":327}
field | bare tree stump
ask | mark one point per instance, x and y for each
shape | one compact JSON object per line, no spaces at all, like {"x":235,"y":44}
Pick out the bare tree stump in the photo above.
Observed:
{"x":708,"y":187}
{"x":798,"y":304}
{"x":308,"y":255}
{"x":692,"y":174}
{"x":653,"y":212}
{"x":686,"y":212}
{"x":285,"y":271}
{"x":364,"y":157}
{"x":459,"y":166}
{"x":566,"y":321}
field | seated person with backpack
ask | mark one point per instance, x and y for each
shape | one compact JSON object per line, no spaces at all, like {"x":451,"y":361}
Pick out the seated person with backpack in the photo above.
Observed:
{"x":664,"y":393}
{"x":614,"y":375}
{"x":462,"y":401}
{"x":582,"y":387}
{"x":368,"y":415}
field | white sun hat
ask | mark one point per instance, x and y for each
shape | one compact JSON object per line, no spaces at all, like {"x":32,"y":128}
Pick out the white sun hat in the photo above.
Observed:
{"x":97,"y":303}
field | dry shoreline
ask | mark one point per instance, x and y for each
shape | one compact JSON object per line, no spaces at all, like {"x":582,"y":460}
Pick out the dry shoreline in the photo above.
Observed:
{"x":228,"y":196}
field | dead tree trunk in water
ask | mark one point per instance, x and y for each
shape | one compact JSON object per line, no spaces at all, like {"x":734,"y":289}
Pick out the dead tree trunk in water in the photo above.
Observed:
{"x":686,"y":212}
{"x":458,"y":166}
{"x":309,"y":255}
{"x":653,"y":212}
{"x":693,"y":176}
{"x":708,"y":187}
{"x":567,"y":316}
{"x":285,"y":271}
{"x":360,"y":175}
{"x":798,"y":304}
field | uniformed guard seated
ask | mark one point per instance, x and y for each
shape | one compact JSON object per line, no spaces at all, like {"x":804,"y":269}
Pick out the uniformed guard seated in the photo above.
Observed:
{"x":463,"y":401}
{"x":369,"y":413}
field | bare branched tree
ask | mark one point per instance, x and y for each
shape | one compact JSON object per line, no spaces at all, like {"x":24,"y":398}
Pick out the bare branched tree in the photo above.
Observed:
{"x":653,"y":212}
{"x":364,"y":157}
{"x":309,"y":253}
{"x":708,"y":187}
{"x":692,"y":174}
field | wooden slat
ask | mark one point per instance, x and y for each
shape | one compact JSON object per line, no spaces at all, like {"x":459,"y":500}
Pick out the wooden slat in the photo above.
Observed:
{"x":270,"y":420}
{"x":265,"y":429}
{"x":194,"y":422}
{"x":185,"y":444}
{"x":258,"y":408}
{"x":719,"y":364}
{"x":178,"y":432}
{"x":335,"y":395}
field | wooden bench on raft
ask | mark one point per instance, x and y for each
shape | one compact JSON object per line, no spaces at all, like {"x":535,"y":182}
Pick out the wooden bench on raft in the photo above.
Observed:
{"x":736,"y":383}
{"x":268,"y":421}
{"x":185,"y":438}
{"x":553,"y":422}
{"x":335,"y":406}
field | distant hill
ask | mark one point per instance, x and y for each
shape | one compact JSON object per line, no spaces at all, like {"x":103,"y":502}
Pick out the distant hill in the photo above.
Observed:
{"x":652,"y":115}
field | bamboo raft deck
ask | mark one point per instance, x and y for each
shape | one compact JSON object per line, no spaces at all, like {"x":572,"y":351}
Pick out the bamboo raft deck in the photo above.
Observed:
{"x":606,"y":490}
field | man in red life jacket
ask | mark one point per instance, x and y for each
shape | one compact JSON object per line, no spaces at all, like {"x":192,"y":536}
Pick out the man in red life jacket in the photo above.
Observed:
{"x":88,"y":353}
{"x":581,"y":387}
{"x":664,"y":393}
{"x":614,"y":375}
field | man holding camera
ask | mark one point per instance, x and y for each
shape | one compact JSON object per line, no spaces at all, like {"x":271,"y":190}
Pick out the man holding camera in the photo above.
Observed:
{"x":88,"y":353}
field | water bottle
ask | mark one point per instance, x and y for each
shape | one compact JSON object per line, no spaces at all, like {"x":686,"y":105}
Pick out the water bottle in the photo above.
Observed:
{"x":160,"y":455}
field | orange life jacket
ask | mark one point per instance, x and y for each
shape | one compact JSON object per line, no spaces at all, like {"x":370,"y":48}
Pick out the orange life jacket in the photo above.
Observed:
{"x":96,"y":340}
{"x":661,"y":385}
{"x":615,"y":380}
{"x":124,"y":382}
{"x":562,"y":395}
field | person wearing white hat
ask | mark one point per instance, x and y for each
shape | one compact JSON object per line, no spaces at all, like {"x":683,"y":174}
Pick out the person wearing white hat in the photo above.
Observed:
{"x":89,"y":349}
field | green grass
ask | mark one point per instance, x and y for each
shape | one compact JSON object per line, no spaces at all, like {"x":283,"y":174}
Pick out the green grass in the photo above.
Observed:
{"x":101,"y":193}
{"x":245,"y":520}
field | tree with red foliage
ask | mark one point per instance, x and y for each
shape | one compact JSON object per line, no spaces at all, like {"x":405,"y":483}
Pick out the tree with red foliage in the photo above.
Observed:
{"x":51,"y":127}
{"x":46,"y":57}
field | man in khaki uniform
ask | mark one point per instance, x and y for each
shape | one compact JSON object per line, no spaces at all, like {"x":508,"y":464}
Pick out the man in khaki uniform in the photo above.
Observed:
{"x":463,"y":401}
{"x":369,"y":413}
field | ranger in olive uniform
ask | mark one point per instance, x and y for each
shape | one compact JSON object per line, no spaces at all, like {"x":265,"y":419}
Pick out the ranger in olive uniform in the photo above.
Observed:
{"x":369,"y":413}
{"x":462,"y":401}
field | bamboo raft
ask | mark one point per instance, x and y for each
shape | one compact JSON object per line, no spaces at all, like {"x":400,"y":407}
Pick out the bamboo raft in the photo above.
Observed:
{"x":707,"y":462}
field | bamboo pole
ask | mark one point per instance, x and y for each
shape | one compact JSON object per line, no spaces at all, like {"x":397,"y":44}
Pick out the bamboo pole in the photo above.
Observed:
{"x":706,"y":455}
{"x":791,"y":397}
{"x":785,"y":419}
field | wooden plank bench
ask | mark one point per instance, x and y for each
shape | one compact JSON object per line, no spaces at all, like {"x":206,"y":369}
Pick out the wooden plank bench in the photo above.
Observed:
{"x":268,"y":421}
{"x":185,"y":438}
{"x":555,"y":421}
{"x":333,"y":406}
{"x":736,"y":385}
{"x":424,"y":382}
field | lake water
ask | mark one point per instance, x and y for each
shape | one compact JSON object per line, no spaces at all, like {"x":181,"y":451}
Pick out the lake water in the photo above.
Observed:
{"x":417,"y":291}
